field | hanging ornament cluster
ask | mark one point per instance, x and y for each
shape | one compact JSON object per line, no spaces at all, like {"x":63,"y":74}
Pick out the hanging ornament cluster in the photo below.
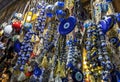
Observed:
{"x":56,"y":9}
{"x":41,"y":19}
{"x":45,"y":49}
{"x":97,"y":55}
{"x":25,"y":51}
{"x":66,"y":24}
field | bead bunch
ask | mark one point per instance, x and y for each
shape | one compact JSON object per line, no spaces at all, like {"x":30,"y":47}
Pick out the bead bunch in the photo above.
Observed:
{"x":25,"y":52}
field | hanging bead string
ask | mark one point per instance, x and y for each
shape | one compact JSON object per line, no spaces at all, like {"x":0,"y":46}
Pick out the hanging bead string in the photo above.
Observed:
{"x":97,"y":10}
{"x":63,"y":50}
{"x":91,"y":43}
{"x":53,"y":41}
{"x":71,"y":57}
{"x":40,"y":24}
{"x":25,"y":52}
{"x":115,"y":28}
{"x":47,"y":42}
{"x":106,"y":63}
{"x":41,"y":19}
{"x":101,"y":59}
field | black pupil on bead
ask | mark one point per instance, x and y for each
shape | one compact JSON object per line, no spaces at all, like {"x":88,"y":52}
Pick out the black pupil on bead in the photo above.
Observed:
{"x":66,"y":25}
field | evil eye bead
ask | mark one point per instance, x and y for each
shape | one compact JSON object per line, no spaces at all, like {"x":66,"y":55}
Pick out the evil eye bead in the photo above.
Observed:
{"x":89,"y":31}
{"x":25,"y":58}
{"x":23,"y":55}
{"x":88,"y":43}
{"x":25,"y":50}
{"x":49,"y":11}
{"x":59,"y":5}
{"x":99,"y":52}
{"x":23,"y":62}
{"x":41,"y":13}
{"x":103,"y":63}
{"x":118,"y":17}
{"x":109,"y":1}
{"x":100,"y":57}
{"x":37,"y":72}
{"x":19,"y":58}
{"x":39,"y":5}
{"x":19,"y":54}
{"x":103,"y":44}
{"x":29,"y":49}
{"x":43,"y":2}
{"x":23,"y":44}
{"x":113,"y":40}
{"x":27,"y":26}
{"x":109,"y":67}
{"x":22,"y":68}
{"x":39,"y":18}
{"x":18,"y":62}
{"x":105,"y":53}
{"x":64,"y":80}
{"x":27,"y":55}
{"x":77,"y":76}
{"x":60,"y":15}
{"x":102,"y":37}
{"x":88,"y":57}
{"x":88,"y":48}
{"x":104,"y":7}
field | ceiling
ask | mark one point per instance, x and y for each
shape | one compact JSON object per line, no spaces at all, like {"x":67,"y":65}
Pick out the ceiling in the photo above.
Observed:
{"x":5,"y":3}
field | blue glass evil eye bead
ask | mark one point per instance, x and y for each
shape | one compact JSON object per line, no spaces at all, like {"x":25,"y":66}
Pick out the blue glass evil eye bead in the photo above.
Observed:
{"x":19,"y":54}
{"x":118,"y":17}
{"x":88,"y":43}
{"x":18,"y":62}
{"x":64,"y":80}
{"x":37,"y":72}
{"x":77,"y":76}
{"x":19,"y":58}
{"x":113,"y":40}
{"x":27,"y":55}
{"x":22,"y":47}
{"x":23,"y":63}
{"x":103,"y":63}
{"x":103,"y":44}
{"x":88,"y":48}
{"x":27,"y":26}
{"x":70,"y":65}
{"x":22,"y":68}
{"x":25,"y":50}
{"x":108,"y":0}
{"x":23,"y":55}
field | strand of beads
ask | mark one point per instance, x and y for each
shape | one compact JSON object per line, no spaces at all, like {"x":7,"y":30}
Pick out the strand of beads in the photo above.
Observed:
{"x":40,"y":24}
{"x":72,"y":53}
{"x":103,"y":56}
{"x":91,"y":47}
{"x":73,"y":61}
{"x":63,"y":50}
{"x":91,"y":42}
{"x":26,"y":49}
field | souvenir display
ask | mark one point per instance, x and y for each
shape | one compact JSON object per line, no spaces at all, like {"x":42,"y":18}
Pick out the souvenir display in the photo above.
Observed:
{"x":60,"y":41}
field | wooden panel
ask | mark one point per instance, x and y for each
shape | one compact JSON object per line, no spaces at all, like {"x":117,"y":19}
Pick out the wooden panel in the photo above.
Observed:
{"x":116,"y":4}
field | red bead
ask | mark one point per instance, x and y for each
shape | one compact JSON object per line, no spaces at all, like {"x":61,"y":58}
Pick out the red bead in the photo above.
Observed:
{"x":28,"y":74}
{"x":17,"y":25}
{"x":32,"y":55}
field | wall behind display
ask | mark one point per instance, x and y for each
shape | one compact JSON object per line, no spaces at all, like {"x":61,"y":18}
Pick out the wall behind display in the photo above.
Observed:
{"x":15,"y":6}
{"x":116,"y":4}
